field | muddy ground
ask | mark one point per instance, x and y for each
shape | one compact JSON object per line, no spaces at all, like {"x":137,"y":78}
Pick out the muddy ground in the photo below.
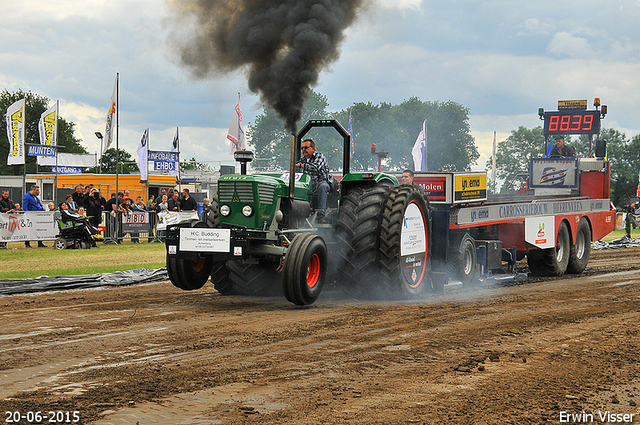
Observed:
{"x":526,"y":353}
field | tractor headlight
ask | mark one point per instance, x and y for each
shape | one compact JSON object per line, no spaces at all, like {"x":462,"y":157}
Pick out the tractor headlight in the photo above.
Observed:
{"x":225,"y":210}
{"x":247,"y":211}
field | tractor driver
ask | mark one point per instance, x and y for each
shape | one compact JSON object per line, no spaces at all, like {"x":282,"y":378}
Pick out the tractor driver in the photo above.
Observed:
{"x":561,"y":150}
{"x":315,"y":165}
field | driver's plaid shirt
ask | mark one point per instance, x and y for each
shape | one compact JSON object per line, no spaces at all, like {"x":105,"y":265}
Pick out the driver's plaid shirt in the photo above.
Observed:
{"x":322,"y":171}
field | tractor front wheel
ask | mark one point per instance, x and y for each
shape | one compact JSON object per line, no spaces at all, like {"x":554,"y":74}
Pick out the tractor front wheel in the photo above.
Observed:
{"x":304,"y":269}
{"x":189,"y":274}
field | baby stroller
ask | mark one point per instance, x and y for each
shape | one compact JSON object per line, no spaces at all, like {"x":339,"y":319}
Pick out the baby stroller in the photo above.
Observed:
{"x":75,"y":231}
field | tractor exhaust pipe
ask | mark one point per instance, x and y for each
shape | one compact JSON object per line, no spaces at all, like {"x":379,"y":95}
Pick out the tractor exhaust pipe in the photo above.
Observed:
{"x":292,"y":167}
{"x":243,"y":157}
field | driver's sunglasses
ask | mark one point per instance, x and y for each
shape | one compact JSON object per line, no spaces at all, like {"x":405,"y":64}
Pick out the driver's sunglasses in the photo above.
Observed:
{"x":305,"y":147}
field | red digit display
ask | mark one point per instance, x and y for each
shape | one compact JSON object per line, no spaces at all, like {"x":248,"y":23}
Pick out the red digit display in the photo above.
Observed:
{"x":571,"y":122}
{"x":576,"y":121}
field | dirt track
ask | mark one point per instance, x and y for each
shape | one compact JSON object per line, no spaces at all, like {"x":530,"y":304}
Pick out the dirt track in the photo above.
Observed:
{"x":516,"y":354}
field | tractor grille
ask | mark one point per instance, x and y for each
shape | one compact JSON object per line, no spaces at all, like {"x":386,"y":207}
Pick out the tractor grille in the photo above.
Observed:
{"x":235,"y":192}
{"x":265,"y":192}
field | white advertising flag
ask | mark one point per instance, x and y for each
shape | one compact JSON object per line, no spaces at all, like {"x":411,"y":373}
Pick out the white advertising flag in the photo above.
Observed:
{"x":15,"y":132}
{"x":236,"y":133}
{"x":419,"y":151}
{"x":111,"y":116}
{"x":143,"y":155}
{"x":175,"y":147}
{"x":48,"y":126}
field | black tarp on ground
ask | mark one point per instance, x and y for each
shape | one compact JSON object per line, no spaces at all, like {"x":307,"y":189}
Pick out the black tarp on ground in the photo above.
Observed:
{"x":623,"y":242}
{"x":57,"y":283}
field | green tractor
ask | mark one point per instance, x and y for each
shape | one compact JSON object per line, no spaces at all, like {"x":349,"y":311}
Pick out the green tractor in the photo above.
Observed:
{"x":266,"y":236}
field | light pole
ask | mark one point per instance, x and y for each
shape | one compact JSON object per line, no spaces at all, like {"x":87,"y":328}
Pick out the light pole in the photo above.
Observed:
{"x":99,"y":136}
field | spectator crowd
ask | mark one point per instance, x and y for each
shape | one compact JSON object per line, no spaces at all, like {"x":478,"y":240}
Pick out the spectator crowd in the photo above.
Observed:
{"x":87,"y":201}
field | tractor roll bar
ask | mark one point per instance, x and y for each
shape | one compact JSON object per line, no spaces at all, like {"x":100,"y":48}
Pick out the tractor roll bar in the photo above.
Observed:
{"x":295,"y":150}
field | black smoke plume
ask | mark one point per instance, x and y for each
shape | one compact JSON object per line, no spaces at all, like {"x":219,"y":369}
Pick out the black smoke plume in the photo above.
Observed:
{"x":283,"y":44}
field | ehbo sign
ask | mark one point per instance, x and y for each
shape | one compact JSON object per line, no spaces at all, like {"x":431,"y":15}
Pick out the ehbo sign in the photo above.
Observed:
{"x":164,"y":161}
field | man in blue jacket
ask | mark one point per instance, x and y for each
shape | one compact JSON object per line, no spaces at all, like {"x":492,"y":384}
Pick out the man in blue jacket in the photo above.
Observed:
{"x":31,"y":202}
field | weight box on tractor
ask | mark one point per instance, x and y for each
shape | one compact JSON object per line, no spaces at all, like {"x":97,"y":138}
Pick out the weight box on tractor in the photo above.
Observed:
{"x":265,"y":235}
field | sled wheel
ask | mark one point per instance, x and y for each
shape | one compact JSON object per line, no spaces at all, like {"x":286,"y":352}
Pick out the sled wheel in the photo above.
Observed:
{"x":305,"y":268}
{"x":463,"y":260}
{"x":60,"y":243}
{"x":551,"y":261}
{"x":581,"y":250}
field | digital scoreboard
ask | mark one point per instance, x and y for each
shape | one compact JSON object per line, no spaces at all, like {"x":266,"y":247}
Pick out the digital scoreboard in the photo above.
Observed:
{"x":571,"y":122}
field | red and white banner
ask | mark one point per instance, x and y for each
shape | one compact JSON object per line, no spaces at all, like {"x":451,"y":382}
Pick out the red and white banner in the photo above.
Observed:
{"x":236,"y":133}
{"x":28,"y":226}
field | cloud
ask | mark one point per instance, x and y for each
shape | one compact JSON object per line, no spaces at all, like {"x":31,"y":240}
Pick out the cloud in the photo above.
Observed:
{"x":535,"y":27}
{"x":500,"y":59}
{"x":400,"y":4}
{"x":565,"y":44}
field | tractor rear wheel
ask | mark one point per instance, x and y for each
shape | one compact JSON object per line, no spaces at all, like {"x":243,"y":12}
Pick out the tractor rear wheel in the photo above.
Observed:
{"x":304,"y":269}
{"x":581,"y":250}
{"x":551,"y":261}
{"x":358,"y":233}
{"x":220,"y":279}
{"x":212,"y":216}
{"x":248,"y":279}
{"x":405,"y":242}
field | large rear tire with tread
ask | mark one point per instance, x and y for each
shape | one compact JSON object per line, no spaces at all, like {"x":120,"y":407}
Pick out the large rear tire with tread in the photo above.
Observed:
{"x":581,"y":250}
{"x":212,"y":216}
{"x":551,"y":261}
{"x":221,"y":280}
{"x":358,"y":233}
{"x":405,"y":242}
{"x":304,"y":269}
{"x":248,"y":279}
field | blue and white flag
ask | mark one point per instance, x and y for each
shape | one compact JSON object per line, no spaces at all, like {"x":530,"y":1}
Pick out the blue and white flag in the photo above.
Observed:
{"x":419,"y":151}
{"x":143,"y":156}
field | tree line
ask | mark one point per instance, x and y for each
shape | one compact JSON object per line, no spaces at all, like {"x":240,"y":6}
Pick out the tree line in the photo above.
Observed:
{"x":393,"y":128}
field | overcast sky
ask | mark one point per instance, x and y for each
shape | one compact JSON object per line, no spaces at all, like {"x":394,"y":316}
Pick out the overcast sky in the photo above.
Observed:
{"x":502,"y":59}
